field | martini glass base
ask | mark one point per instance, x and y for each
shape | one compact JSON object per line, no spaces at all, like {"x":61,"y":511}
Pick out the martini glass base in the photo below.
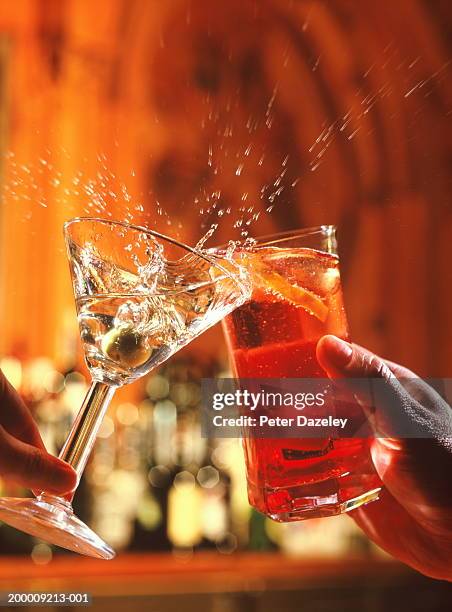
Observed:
{"x":53,"y":520}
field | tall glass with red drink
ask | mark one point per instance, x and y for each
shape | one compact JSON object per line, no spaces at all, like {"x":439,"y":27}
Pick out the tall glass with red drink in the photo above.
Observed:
{"x":297,"y":299}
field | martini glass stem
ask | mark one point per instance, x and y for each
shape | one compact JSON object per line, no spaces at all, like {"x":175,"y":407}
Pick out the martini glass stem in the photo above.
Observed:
{"x":81,"y":438}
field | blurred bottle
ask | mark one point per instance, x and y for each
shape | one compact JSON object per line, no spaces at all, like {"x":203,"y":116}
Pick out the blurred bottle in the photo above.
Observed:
{"x":215,"y":483}
{"x":150,"y":529}
{"x":259,"y":539}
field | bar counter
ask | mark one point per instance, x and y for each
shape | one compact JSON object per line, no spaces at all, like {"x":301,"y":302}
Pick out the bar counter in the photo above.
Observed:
{"x":245,"y":581}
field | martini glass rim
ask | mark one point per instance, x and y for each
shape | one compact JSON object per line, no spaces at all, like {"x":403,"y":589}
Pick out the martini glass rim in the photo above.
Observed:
{"x":210,"y":258}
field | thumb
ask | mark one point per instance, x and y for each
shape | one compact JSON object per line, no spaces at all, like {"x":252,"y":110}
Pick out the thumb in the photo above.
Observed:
{"x":33,"y":467}
{"x":341,"y":359}
{"x":391,"y":410}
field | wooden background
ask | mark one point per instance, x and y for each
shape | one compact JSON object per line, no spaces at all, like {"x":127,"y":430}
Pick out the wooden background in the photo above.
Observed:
{"x":345,"y":105}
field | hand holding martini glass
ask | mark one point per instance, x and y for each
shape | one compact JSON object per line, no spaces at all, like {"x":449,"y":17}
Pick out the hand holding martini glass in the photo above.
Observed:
{"x":140,"y":297}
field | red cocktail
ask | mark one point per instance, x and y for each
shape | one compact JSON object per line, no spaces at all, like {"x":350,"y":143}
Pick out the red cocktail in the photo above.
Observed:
{"x":297,"y":299}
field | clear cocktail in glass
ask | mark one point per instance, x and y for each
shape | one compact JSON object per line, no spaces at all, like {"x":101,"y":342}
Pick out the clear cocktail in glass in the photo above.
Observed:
{"x":140,"y":297}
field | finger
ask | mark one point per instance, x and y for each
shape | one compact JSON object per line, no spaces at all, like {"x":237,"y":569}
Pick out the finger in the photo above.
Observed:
{"x":33,"y":467}
{"x":417,"y":472}
{"x":390,"y":526}
{"x":385,"y":517}
{"x":15,"y":416}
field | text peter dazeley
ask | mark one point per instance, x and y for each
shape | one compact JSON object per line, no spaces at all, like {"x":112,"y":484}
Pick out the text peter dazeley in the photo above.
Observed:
{"x":266,"y":421}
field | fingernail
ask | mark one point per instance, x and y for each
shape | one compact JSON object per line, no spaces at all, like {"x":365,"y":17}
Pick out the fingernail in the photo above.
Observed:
{"x":339,"y":352}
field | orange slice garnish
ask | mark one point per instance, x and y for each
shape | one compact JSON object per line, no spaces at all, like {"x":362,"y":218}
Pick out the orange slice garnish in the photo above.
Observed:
{"x":272,"y":281}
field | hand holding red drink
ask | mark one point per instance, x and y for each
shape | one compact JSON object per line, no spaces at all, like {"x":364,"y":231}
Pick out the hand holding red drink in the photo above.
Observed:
{"x":413,"y":517}
{"x":283,"y":332}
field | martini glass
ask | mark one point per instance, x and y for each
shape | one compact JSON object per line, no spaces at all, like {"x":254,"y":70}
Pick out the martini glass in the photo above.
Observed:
{"x":140,"y":297}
